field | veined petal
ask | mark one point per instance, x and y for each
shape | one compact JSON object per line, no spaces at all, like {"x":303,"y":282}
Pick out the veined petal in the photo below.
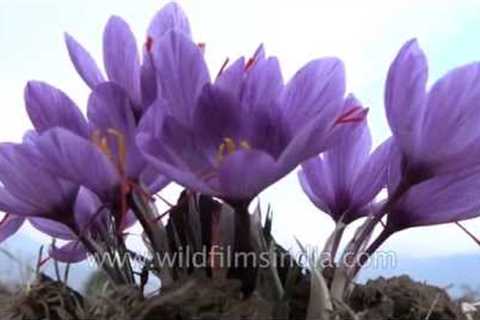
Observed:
{"x":121,"y":58}
{"x":451,"y":117}
{"x":49,"y":107}
{"x":232,"y":78}
{"x":83,"y":62}
{"x":109,"y":108}
{"x":245,"y":173}
{"x":53,"y":228}
{"x":181,"y":73}
{"x":87,"y":206}
{"x":167,"y":162}
{"x":405,"y":95}
{"x":170,"y":17}
{"x":316,"y":89}
{"x":72,"y":252}
{"x":442,"y":199}
{"x":263,"y":85}
{"x":316,"y":182}
{"x":9,"y":225}
{"x":372,"y":176}
{"x":74,"y":158}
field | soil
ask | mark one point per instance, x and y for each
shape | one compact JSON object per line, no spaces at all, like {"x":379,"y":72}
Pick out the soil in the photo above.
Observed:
{"x":398,"y":298}
{"x":401,"y":298}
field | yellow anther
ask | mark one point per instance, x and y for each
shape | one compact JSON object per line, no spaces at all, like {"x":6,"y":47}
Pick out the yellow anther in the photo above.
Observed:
{"x":228,"y":146}
{"x":245,"y":145}
{"x":102,"y":143}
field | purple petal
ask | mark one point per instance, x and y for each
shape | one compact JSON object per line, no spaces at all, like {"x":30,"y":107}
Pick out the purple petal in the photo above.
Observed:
{"x":263,"y":85}
{"x":121,"y":58}
{"x":452,"y":117}
{"x":181,"y":73}
{"x":148,"y":81}
{"x":74,"y":158}
{"x":245,"y":173}
{"x":231,"y":79}
{"x":30,"y":190}
{"x":151,"y":178}
{"x":8,"y":203}
{"x":109,"y":108}
{"x":86,"y":209}
{"x":83,"y":62}
{"x":316,"y":183}
{"x":405,"y":95}
{"x":348,"y":154}
{"x":217,"y":116}
{"x":170,"y":17}
{"x":372,"y":176}
{"x":442,"y":199}
{"x":49,"y":107}
{"x":72,"y":252}
{"x":53,"y":228}
{"x":9,"y":225}
{"x":316,"y":89}
{"x":167,"y":162}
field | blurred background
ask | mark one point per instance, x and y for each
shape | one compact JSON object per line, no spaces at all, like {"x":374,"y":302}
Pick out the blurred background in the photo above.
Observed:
{"x":365,"y":34}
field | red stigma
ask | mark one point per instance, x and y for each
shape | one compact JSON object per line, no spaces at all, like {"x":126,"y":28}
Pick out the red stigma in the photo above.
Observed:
{"x":149,"y":43}
{"x":201,"y":46}
{"x":250,"y":63}
{"x":355,"y":114}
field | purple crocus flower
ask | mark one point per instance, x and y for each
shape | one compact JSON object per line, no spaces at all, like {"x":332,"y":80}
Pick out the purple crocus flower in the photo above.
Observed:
{"x":29,"y":191}
{"x":434,"y":172}
{"x":111,"y":126}
{"x":239,"y":134}
{"x":121,"y":57}
{"x":344,"y":180}
{"x":434,"y":129}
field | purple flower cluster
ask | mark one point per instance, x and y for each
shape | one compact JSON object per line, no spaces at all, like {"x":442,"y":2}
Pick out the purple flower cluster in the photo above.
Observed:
{"x":160,"y":116}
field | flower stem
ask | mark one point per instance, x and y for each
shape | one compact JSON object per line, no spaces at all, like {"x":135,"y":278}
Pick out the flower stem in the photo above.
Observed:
{"x":243,"y":264}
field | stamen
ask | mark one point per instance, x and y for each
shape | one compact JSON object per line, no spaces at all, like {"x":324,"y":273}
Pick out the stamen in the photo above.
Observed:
{"x":245,"y":145}
{"x":102,"y":143}
{"x":122,"y":148}
{"x":228,"y":146}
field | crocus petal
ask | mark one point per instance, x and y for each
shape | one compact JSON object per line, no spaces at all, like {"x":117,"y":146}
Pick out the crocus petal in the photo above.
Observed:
{"x":31,"y":189}
{"x":372,"y":176}
{"x":451,"y":117}
{"x":317,"y":88}
{"x":316,"y":182}
{"x":9,"y":225}
{"x":109,"y":108}
{"x":181,"y":73}
{"x":83,"y":62}
{"x":154,"y":152}
{"x":148,"y":81}
{"x":405,"y":95}
{"x":74,"y":158}
{"x":53,"y":228}
{"x":49,"y":107}
{"x":442,"y":199}
{"x":9,"y":203}
{"x":153,"y":180}
{"x":245,"y":173}
{"x":263,"y":85}
{"x":121,"y":58}
{"x":231,"y":79}
{"x":217,"y":116}
{"x":348,"y":154}
{"x":71,"y":252}
{"x":170,"y":17}
{"x":86,"y":209}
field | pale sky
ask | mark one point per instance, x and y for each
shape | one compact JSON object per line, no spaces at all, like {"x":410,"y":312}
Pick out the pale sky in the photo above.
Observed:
{"x":365,"y":34}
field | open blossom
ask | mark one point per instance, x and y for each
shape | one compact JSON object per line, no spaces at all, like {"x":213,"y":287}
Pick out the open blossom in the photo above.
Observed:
{"x":435,"y":165}
{"x":433,"y":129}
{"x":344,"y":180}
{"x":121,"y":57}
{"x":235,"y":136}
